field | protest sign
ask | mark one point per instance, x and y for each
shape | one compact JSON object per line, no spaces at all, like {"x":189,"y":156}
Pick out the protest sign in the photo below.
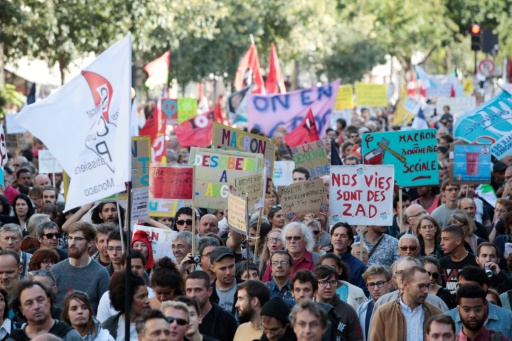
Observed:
{"x":166,"y":207}
{"x":362,"y":195}
{"x":412,"y":105}
{"x":47,"y":162}
{"x":228,"y":138}
{"x":441,"y":86}
{"x":490,"y":123}
{"x":471,"y":163}
{"x":187,"y":108}
{"x":267,"y":112}
{"x":313,"y":157}
{"x":141,"y":159}
{"x":283,"y":173}
{"x":250,"y":186}
{"x":140,"y":210}
{"x":161,"y":241}
{"x":215,"y":172}
{"x":170,"y":109}
{"x":412,"y":152}
{"x":303,"y":197}
{"x":237,"y":217}
{"x":371,"y":95}
{"x":458,"y":105}
{"x":344,"y":98}
{"x":166,"y":182}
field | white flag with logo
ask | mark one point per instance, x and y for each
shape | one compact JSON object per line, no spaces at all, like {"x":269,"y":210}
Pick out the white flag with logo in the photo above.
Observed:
{"x":86,"y":126}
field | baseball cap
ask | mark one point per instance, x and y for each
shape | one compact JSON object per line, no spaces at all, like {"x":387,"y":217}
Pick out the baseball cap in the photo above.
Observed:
{"x":220,"y":252}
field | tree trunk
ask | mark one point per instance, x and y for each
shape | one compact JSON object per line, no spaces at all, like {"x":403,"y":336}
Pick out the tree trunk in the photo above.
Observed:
{"x":2,"y":74}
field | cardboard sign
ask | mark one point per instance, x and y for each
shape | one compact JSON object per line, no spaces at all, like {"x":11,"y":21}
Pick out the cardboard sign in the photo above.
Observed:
{"x":345,"y":98}
{"x":48,"y":163}
{"x":412,"y":152}
{"x":166,"y":207}
{"x":458,"y":105}
{"x":412,"y":105}
{"x":362,"y":195}
{"x":471,"y":163}
{"x":161,"y":241}
{"x":237,"y":217}
{"x":187,"y":108}
{"x":228,"y":138}
{"x":141,"y":160}
{"x":167,"y":182}
{"x":140,"y":210}
{"x":490,"y":123}
{"x":371,"y":95}
{"x":170,"y":109}
{"x":303,"y":197}
{"x":215,"y":172}
{"x":250,"y":186}
{"x":283,"y":173}
{"x":313,"y":157}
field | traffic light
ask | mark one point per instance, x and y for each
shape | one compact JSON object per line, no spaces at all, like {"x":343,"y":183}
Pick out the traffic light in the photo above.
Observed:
{"x":476,"y":38}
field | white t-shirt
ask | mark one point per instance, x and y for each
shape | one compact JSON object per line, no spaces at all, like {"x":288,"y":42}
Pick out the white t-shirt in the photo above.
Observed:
{"x":105,"y":309}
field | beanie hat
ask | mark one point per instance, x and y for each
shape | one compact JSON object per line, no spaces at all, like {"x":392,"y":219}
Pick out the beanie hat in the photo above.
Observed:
{"x":276,"y":307}
{"x":143,"y":236}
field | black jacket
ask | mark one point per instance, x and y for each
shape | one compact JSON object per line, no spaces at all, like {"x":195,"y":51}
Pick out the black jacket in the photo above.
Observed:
{"x":214,"y":298}
{"x":218,"y":324}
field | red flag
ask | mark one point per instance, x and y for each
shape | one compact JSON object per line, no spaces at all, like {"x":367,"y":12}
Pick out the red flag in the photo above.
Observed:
{"x":411,"y":85}
{"x":155,"y":128}
{"x":158,"y":70}
{"x":197,"y":131}
{"x":218,"y":112}
{"x":248,"y":72}
{"x":275,"y":79}
{"x":306,"y":132}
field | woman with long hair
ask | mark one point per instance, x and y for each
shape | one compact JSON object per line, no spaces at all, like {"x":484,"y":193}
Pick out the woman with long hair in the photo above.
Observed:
{"x":270,"y":201}
{"x":431,"y":264}
{"x":23,"y":210}
{"x":77,"y":312}
{"x":428,"y":232}
{"x":271,"y":244}
{"x":467,"y":224}
{"x":276,"y":217}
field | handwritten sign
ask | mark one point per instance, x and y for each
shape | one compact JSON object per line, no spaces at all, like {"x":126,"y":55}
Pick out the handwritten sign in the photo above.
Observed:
{"x":166,"y":207}
{"x":48,"y":163}
{"x":490,"y":123}
{"x":161,"y":241}
{"x":471,"y":163}
{"x":250,"y":186}
{"x":458,"y":105}
{"x":344,"y":98}
{"x":362,"y":195}
{"x":441,"y":86}
{"x":412,"y":105}
{"x":215,"y":172}
{"x":170,"y":182}
{"x":187,"y":108}
{"x":237,"y":213}
{"x":140,"y":210}
{"x":371,"y":95}
{"x":283,"y":173}
{"x":141,"y":159}
{"x":412,"y":152}
{"x":228,"y":138}
{"x":303,"y":197}
{"x":313,"y":157}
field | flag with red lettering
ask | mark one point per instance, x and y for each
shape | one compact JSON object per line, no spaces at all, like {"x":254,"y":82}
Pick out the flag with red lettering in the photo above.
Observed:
{"x":249,"y":73}
{"x":92,"y":138}
{"x":197,"y":131}
{"x":275,"y":79}
{"x":306,"y":132}
{"x":158,"y":70}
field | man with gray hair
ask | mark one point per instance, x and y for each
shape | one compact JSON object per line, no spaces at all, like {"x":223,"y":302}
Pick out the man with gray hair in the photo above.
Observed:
{"x":409,"y":245}
{"x":10,"y":240}
{"x":181,"y":245}
{"x":35,"y":220}
{"x":48,"y":234}
{"x":309,"y":320}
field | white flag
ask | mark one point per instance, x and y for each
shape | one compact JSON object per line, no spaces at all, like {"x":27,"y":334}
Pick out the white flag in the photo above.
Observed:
{"x":3,"y":147}
{"x":86,"y":125}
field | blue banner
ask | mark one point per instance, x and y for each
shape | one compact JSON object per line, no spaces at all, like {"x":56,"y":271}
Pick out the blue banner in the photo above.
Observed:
{"x":471,"y":163}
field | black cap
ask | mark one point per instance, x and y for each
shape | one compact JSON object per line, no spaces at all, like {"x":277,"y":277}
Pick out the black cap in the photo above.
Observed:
{"x":276,"y":307}
{"x":499,"y":167}
{"x":220,"y":252}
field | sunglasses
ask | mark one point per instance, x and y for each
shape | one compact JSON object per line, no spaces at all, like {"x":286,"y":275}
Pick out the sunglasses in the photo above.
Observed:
{"x":51,"y":235}
{"x":435,"y":275}
{"x":182,"y":222}
{"x":181,"y":322}
{"x":316,"y":232}
{"x":296,"y":238}
{"x":412,"y":248}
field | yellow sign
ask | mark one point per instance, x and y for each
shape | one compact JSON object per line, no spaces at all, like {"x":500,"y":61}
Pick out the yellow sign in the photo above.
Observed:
{"x":345,"y":98}
{"x":237,"y":218}
{"x":402,"y":116}
{"x":187,"y":108}
{"x":371,"y":95}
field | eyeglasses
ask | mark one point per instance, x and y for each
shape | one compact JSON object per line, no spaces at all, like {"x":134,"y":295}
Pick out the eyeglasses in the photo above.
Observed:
{"x":283,"y":262}
{"x":423,"y":286}
{"x":434,"y":275}
{"x":416,"y":215}
{"x":379,"y":284}
{"x":179,"y":247}
{"x":76,"y":239}
{"x":273,"y":240}
{"x":182,"y":222}
{"x":51,"y":235}
{"x":324,"y":283}
{"x":116,"y":249}
{"x":411,"y":247}
{"x":47,"y":262}
{"x":296,"y":238}
{"x":181,"y":322}
{"x":478,"y":309}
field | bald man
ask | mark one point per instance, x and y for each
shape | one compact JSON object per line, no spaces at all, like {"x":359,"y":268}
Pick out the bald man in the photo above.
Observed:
{"x":412,"y":216}
{"x":42,"y":180}
{"x":208,"y":223}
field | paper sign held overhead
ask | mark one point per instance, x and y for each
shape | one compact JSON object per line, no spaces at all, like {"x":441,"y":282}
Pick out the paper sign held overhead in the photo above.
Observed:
{"x":161,"y":241}
{"x":362,"y":195}
{"x":252,"y":187}
{"x":140,"y":210}
{"x":141,"y":160}
{"x":313,"y":157}
{"x":167,"y":182}
{"x":237,"y":217}
{"x":283,"y":173}
{"x":187,"y":108}
{"x":303,"y":197}
{"x":371,"y":95}
{"x":345,"y":98}
{"x":47,"y":163}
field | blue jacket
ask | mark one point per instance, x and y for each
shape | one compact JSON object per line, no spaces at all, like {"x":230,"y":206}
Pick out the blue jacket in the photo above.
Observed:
{"x":498,"y":318}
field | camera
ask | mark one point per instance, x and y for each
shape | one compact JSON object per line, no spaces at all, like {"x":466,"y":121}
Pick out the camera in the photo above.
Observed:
{"x":196,"y":259}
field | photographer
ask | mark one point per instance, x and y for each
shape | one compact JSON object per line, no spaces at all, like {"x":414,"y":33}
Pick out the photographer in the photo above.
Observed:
{"x":205,"y":246}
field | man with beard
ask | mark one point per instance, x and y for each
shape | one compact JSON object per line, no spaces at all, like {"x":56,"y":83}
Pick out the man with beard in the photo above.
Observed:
{"x":252,"y":295}
{"x":80,"y":271}
{"x":472,"y":308}
{"x":403,"y":320}
{"x":224,"y":294}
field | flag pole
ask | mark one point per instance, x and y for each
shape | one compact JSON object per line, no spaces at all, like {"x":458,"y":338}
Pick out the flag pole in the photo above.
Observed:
{"x":247,"y":239}
{"x":252,"y":39}
{"x":400,"y":214}
{"x":258,"y":227}
{"x":128,"y":264}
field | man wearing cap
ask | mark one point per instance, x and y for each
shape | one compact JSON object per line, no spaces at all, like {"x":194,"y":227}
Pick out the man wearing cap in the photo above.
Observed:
{"x":225,"y":285}
{"x":275,"y":322}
